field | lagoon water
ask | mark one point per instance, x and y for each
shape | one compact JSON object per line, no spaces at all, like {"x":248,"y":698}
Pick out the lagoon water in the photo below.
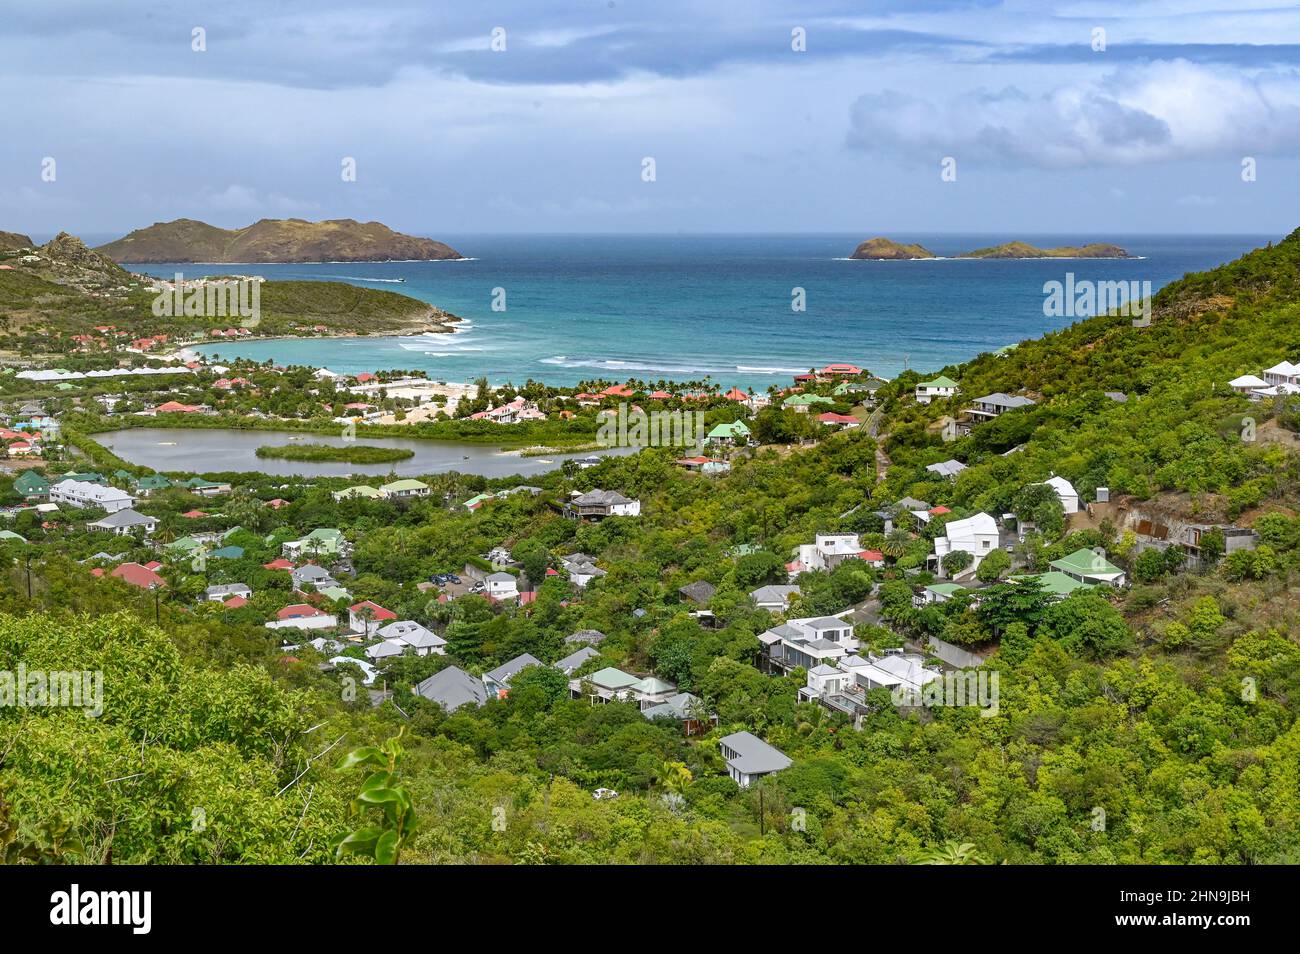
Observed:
{"x":680,"y":307}
{"x":220,"y":450}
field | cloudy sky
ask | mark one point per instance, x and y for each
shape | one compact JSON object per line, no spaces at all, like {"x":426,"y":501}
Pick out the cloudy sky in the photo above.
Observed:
{"x":1049,"y":132}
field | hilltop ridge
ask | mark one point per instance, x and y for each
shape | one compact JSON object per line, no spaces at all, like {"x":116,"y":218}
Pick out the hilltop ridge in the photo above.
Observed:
{"x":270,"y":241}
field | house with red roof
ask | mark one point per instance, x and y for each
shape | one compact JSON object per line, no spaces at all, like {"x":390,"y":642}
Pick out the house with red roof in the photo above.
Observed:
{"x":617,"y":390}
{"x":839,"y":420}
{"x":840,"y":370}
{"x":280,"y":564}
{"x":137,"y":575}
{"x":367,"y":616}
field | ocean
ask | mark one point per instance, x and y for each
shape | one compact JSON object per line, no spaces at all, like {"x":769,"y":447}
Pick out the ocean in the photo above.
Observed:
{"x":684,"y":307}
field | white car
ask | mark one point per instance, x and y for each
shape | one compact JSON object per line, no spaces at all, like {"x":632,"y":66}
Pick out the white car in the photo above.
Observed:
{"x":601,"y":794}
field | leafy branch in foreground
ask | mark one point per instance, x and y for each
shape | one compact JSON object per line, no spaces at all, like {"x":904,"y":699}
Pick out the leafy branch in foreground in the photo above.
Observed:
{"x":384,"y":841}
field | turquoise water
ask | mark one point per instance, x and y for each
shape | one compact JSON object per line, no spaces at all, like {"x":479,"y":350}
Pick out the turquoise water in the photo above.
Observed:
{"x":582,"y":307}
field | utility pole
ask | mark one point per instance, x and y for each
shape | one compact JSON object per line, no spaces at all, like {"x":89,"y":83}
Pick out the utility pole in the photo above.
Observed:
{"x":29,"y":577}
{"x":762,"y":819}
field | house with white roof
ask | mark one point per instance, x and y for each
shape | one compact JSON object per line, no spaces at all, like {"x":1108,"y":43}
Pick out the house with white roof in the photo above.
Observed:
{"x":1284,"y":372}
{"x":1247,"y":384}
{"x":83,"y":494}
{"x":827,"y":551}
{"x":977,"y":535}
{"x":412,"y":634}
{"x":843,"y":687}
{"x":1065,"y":491}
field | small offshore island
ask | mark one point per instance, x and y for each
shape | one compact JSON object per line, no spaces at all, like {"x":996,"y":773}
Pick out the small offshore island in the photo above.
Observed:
{"x":884,"y":249}
{"x":352,"y":454}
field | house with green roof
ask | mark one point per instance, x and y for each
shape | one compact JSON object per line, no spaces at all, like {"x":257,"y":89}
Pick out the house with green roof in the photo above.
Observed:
{"x":1090,"y":566}
{"x":360,"y":490}
{"x":184,"y":545}
{"x":206,"y":488}
{"x":615,"y":685}
{"x":150,"y":483}
{"x":323,"y":541}
{"x":732,"y":433}
{"x":404,"y":489}
{"x":1055,"y":583}
{"x":90,"y":477}
{"x":8,"y":536}
{"x":227,"y":553}
{"x":31,"y":485}
{"x":939,"y":593}
{"x":802,"y":402}
{"x":477,"y":501}
{"x":941,"y":387}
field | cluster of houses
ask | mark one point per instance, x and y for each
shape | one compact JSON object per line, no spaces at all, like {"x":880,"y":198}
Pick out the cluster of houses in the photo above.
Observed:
{"x":26,"y":434}
{"x":1281,"y":379}
{"x":404,"y":489}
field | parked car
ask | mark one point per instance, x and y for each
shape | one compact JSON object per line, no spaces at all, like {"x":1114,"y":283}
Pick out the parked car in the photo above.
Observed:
{"x":601,"y":794}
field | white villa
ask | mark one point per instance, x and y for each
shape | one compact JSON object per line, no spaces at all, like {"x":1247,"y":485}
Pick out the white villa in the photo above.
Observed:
{"x":83,"y":494}
{"x":809,"y":642}
{"x":940,"y":387}
{"x":977,"y":535}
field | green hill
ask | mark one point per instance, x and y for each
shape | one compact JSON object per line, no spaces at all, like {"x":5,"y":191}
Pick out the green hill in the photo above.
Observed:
{"x":273,"y":240}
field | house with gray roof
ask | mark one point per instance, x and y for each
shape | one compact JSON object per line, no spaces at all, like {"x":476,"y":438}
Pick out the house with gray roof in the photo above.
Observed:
{"x":224,"y":591}
{"x":407,"y":632}
{"x":452,"y":688}
{"x":497,"y":681}
{"x":125,"y":522}
{"x":599,"y":504}
{"x":775,"y":597}
{"x":575,"y":660}
{"x":592,"y":637}
{"x":701,"y":591}
{"x":749,"y":758}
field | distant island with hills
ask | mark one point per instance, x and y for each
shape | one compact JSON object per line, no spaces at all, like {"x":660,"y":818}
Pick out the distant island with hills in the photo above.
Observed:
{"x":274,"y":241}
{"x":884,"y":249}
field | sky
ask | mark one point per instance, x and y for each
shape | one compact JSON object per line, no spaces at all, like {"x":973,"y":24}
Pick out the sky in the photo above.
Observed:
{"x":1087,"y":116}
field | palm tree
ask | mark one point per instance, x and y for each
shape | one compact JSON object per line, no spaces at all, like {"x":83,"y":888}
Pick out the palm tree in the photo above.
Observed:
{"x":950,"y":853}
{"x":896,"y":542}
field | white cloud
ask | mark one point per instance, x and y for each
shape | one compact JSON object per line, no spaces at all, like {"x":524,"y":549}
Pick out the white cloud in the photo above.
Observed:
{"x":1157,"y":112}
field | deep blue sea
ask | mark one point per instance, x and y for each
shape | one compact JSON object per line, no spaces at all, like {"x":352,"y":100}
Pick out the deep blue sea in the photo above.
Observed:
{"x":678,"y":307}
